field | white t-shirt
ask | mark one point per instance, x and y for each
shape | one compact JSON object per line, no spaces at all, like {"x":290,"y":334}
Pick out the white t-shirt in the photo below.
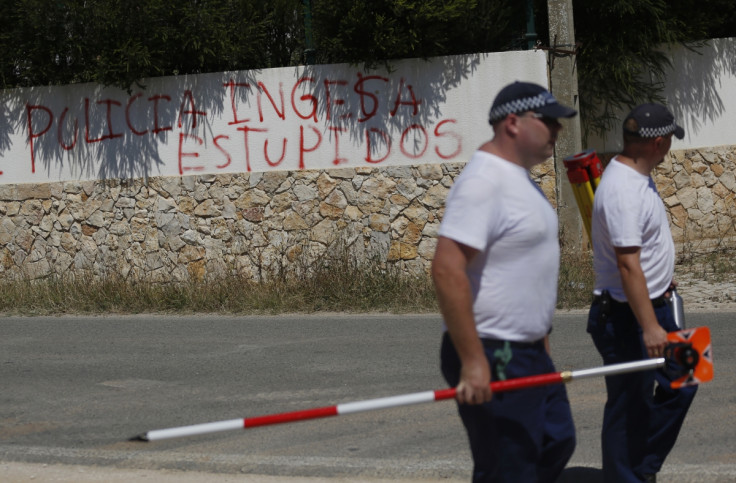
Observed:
{"x":496,"y":208}
{"x":628,"y":212}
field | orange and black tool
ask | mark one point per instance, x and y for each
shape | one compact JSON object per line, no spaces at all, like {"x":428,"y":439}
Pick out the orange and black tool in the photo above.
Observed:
{"x":691,"y":350}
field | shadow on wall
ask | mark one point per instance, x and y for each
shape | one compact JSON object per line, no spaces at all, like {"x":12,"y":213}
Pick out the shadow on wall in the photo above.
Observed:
{"x":697,"y":91}
{"x":693,"y":95}
{"x":93,"y":129}
{"x":105,"y":133}
{"x":423,"y":101}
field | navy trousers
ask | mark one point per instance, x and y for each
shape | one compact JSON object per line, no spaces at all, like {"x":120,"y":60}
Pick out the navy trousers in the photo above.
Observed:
{"x":643,"y":415}
{"x":519,"y":436}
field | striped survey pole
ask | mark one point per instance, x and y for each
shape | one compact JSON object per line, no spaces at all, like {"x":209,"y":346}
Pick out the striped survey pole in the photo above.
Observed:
{"x":392,"y":401}
{"x":689,"y":348}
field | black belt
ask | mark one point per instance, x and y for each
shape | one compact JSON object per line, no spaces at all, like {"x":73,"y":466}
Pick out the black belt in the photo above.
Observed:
{"x":658,"y":302}
{"x":491,"y":343}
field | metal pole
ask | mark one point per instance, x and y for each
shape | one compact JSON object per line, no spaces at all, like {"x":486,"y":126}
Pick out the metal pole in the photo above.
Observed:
{"x":309,"y":52}
{"x":531,"y":33}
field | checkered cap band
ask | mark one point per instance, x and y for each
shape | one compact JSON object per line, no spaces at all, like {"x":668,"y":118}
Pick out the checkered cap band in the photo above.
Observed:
{"x":653,"y":132}
{"x":521,"y":105}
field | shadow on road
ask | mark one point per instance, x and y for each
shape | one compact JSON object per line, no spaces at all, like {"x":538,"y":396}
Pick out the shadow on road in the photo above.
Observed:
{"x":581,"y":474}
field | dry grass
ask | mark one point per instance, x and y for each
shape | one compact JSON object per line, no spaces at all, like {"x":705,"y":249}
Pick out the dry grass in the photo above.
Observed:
{"x":340,"y":286}
{"x":336,"y":285}
{"x":576,"y":280}
{"x":714,"y":266}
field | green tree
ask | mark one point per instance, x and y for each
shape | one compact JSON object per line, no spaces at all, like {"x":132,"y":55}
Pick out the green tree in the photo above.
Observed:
{"x":119,"y":42}
{"x":621,"y":62}
{"x":374,"y":31}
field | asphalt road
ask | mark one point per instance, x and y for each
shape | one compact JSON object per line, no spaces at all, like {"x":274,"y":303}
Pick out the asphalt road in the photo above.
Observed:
{"x":74,"y":390}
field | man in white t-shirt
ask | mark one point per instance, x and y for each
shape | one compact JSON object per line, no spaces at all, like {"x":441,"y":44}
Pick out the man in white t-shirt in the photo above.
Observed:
{"x":634,"y":262}
{"x":495,"y":271}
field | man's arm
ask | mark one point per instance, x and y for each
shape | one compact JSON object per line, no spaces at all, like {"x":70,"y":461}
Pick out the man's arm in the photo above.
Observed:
{"x":456,"y":304}
{"x":635,"y":287}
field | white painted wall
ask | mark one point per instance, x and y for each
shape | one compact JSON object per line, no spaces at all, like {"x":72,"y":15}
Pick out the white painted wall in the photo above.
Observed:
{"x":701,"y":93}
{"x":314,"y":117}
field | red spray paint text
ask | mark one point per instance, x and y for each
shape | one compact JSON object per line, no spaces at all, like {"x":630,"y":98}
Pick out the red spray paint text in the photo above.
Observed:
{"x":248,"y":134}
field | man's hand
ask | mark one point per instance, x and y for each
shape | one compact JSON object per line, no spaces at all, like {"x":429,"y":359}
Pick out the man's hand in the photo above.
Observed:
{"x":655,"y":340}
{"x":475,"y":383}
{"x":456,"y":304}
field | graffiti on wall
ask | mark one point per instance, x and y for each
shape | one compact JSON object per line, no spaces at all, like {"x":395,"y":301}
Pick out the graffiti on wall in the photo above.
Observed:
{"x":315,"y":117}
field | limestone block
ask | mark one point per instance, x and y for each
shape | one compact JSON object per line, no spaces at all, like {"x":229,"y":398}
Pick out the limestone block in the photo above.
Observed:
{"x":125,"y":202}
{"x":32,"y":211}
{"x":427,"y":248}
{"x":68,"y":243}
{"x":325,"y":185}
{"x":705,"y":200}
{"x":32,"y":192}
{"x":679,"y":215}
{"x":7,"y":231}
{"x":408,"y":188}
{"x":24,"y":240}
{"x":324,"y":232}
{"x":221,"y":229}
{"x":305,"y":192}
{"x":435,"y":196}
{"x":431,"y":229}
{"x":728,"y":179}
{"x":281,"y":202}
{"x":38,"y":269}
{"x":207,"y":208}
{"x":330,"y":211}
{"x":353,"y":213}
{"x":293,"y":221}
{"x":341,"y":173}
{"x":8,"y":193}
{"x":357,"y":182}
{"x":88,"y":230}
{"x":412,"y":235}
{"x":430,"y":171}
{"x":399,"y":225}
{"x":408,"y":251}
{"x":96,"y":219}
{"x":688,"y":197}
{"x":379,"y":222}
{"x":394,"y":252}
{"x":229,"y":211}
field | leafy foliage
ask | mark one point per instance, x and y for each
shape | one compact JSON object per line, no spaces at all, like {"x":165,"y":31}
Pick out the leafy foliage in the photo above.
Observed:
{"x":373,"y":31}
{"x":620,"y":62}
{"x":119,"y":42}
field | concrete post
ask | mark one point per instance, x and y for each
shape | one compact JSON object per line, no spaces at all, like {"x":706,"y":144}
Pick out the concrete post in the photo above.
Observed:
{"x":564,"y":85}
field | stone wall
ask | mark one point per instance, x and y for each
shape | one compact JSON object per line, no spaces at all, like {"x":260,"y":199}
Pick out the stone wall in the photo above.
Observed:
{"x":258,"y":224}
{"x":206,"y":226}
{"x":699,"y":191}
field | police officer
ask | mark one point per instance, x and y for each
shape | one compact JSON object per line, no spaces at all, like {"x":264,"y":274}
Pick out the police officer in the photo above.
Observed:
{"x":634,"y":261}
{"x":495,"y":271}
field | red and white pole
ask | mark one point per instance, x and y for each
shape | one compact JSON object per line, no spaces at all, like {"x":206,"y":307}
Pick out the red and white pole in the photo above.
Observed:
{"x":394,"y":401}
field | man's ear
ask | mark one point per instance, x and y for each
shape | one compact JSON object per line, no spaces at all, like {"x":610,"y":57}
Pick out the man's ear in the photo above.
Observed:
{"x":660,"y":143}
{"x":511,"y":124}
